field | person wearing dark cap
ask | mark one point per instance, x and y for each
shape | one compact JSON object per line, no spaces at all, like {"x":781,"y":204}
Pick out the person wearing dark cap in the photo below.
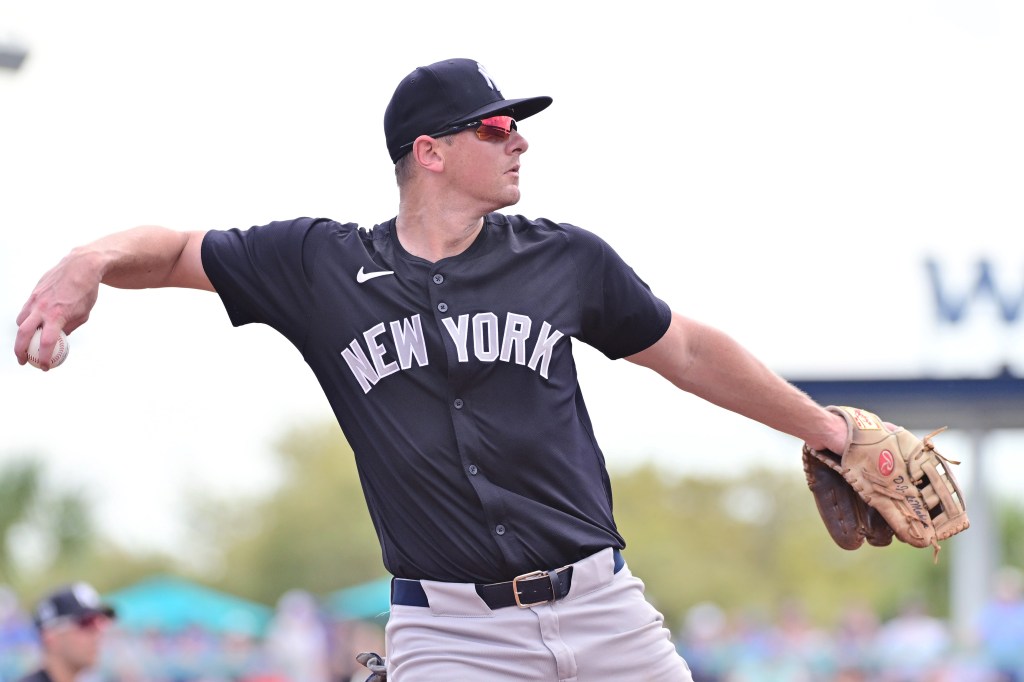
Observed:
{"x":442,"y":340}
{"x":70,"y":621}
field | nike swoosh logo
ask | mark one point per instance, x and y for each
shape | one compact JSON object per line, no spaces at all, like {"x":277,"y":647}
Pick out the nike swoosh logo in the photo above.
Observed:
{"x":365,"y":276}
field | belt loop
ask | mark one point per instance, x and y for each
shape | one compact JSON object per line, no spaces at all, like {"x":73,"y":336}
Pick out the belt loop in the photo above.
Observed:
{"x":558,"y":589}
{"x":619,"y":560}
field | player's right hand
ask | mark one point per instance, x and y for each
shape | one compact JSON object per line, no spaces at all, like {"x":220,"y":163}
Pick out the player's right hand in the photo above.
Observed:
{"x":62,"y":300}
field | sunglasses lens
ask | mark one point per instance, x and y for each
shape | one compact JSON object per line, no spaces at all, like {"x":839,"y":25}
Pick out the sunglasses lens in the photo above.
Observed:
{"x":506,"y":123}
{"x":496,"y":128}
{"x":88,"y":622}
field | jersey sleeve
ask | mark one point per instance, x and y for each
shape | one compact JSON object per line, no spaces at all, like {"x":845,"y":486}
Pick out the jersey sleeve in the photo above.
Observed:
{"x":620,"y":314}
{"x":262,"y":274}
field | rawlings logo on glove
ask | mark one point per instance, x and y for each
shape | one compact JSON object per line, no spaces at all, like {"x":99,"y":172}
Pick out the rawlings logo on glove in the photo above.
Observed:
{"x":887,"y":482}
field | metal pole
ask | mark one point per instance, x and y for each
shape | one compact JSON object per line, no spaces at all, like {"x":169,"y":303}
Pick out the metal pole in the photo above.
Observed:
{"x":976,"y":556}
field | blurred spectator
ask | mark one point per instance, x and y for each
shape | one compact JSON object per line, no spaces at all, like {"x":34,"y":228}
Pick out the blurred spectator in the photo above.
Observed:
{"x":912,"y":646}
{"x":704,"y":642}
{"x":774,"y":650}
{"x":855,"y":638}
{"x":70,"y":622}
{"x":1000,"y":627}
{"x":349,"y":638}
{"x":18,"y":644}
{"x":303,"y":645}
{"x":802,"y":645}
{"x":297,"y":640}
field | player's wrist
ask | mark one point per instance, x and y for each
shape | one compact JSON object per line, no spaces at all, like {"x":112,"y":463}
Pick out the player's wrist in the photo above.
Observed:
{"x":88,"y":263}
{"x":833,"y":434}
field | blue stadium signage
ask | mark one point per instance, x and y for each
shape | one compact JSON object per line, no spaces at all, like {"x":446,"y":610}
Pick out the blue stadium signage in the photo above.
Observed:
{"x":987,"y":287}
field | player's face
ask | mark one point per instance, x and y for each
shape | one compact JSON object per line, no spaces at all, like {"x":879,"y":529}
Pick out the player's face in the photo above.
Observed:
{"x":487,"y":170}
{"x":77,"y":643}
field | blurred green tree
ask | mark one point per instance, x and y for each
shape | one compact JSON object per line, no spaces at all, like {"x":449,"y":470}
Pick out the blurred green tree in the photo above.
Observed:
{"x":60,"y":520}
{"x":313,"y":532}
{"x":1010,"y":517}
{"x":19,"y":490}
{"x":48,"y":536}
{"x":756,"y":542}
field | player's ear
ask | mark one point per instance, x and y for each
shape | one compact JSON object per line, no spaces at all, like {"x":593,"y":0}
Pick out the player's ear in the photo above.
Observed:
{"x":428,"y":153}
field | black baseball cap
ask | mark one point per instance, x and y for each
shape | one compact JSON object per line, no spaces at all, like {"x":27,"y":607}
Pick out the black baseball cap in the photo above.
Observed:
{"x":71,"y":602}
{"x":435,"y":98}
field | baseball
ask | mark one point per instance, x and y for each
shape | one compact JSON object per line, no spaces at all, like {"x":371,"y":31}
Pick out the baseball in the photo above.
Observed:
{"x":60,"y":351}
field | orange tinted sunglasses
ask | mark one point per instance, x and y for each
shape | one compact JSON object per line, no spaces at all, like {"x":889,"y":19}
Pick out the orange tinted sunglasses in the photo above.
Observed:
{"x":493,"y":129}
{"x":496,"y":128}
{"x":90,"y":622}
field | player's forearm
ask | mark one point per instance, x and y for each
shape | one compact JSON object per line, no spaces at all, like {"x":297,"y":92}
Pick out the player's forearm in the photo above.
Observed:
{"x":134,"y":259}
{"x":710,"y":364}
{"x":139,"y":258}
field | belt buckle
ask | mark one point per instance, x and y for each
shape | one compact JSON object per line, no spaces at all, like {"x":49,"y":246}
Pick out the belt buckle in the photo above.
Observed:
{"x":515,"y":589}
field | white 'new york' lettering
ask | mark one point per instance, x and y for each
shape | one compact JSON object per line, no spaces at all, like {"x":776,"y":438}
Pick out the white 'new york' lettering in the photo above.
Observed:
{"x":489,"y":339}
{"x":409,"y":343}
{"x":542,"y":351}
{"x":485,"y":336}
{"x":459,"y":332}
{"x":517,"y":331}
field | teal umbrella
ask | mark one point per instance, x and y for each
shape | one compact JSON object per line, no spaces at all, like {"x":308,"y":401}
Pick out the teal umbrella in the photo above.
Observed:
{"x":366,"y":601}
{"x":169,"y":604}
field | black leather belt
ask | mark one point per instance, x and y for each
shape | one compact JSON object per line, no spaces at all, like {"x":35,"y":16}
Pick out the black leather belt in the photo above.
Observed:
{"x":529,"y":589}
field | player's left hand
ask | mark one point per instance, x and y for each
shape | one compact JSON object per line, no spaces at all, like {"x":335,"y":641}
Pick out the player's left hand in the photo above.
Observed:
{"x":885,"y":482}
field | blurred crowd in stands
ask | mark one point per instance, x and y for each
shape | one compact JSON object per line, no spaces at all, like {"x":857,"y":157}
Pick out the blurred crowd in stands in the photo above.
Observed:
{"x":302,"y":645}
{"x":912,"y":646}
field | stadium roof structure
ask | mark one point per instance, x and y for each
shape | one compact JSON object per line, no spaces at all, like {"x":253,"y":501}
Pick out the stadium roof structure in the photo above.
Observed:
{"x":971,"y":404}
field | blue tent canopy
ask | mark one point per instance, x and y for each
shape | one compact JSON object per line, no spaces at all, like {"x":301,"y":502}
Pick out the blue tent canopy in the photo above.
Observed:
{"x":170,"y":604}
{"x":366,"y":601}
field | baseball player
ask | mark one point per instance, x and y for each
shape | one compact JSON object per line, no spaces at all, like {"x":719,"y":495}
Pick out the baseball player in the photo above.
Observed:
{"x":442,"y":338}
{"x":70,"y":621}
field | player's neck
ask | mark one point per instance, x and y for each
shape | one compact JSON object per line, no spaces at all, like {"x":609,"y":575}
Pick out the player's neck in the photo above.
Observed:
{"x":59,"y":670}
{"x":436,"y":234}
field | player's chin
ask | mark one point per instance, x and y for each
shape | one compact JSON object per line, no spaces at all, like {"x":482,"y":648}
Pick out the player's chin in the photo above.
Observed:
{"x":511,"y":195}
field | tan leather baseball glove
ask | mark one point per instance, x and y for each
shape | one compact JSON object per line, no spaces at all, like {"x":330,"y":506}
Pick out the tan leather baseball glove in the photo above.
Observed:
{"x":887,"y":482}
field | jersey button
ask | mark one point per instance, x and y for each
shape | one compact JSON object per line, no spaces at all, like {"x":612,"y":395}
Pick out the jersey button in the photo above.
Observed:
{"x":438,"y":278}
{"x":458,"y":403}
{"x":442,"y":306}
{"x":499,"y":529}
{"x":473,"y":471}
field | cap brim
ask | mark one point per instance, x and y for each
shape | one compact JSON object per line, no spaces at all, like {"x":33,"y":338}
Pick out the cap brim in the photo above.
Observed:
{"x":516,"y":108}
{"x":104,"y":610}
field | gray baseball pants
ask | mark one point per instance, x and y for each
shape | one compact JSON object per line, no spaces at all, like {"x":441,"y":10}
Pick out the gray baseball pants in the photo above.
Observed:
{"x":604,"y":630}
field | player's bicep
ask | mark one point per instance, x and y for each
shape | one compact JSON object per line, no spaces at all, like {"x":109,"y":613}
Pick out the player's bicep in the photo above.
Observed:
{"x":187,"y":271}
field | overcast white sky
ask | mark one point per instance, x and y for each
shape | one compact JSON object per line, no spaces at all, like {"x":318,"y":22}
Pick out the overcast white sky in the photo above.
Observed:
{"x":780,"y":170}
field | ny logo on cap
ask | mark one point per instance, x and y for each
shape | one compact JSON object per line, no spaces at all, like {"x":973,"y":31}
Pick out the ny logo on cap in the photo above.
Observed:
{"x":86,"y":595}
{"x":487,"y":76}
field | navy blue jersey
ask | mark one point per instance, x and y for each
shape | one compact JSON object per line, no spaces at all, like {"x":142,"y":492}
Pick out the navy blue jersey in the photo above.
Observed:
{"x":37,"y":676}
{"x":454,"y":381}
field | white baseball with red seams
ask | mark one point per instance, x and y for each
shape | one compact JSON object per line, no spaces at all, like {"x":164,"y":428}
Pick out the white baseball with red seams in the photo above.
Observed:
{"x":60,"y":351}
